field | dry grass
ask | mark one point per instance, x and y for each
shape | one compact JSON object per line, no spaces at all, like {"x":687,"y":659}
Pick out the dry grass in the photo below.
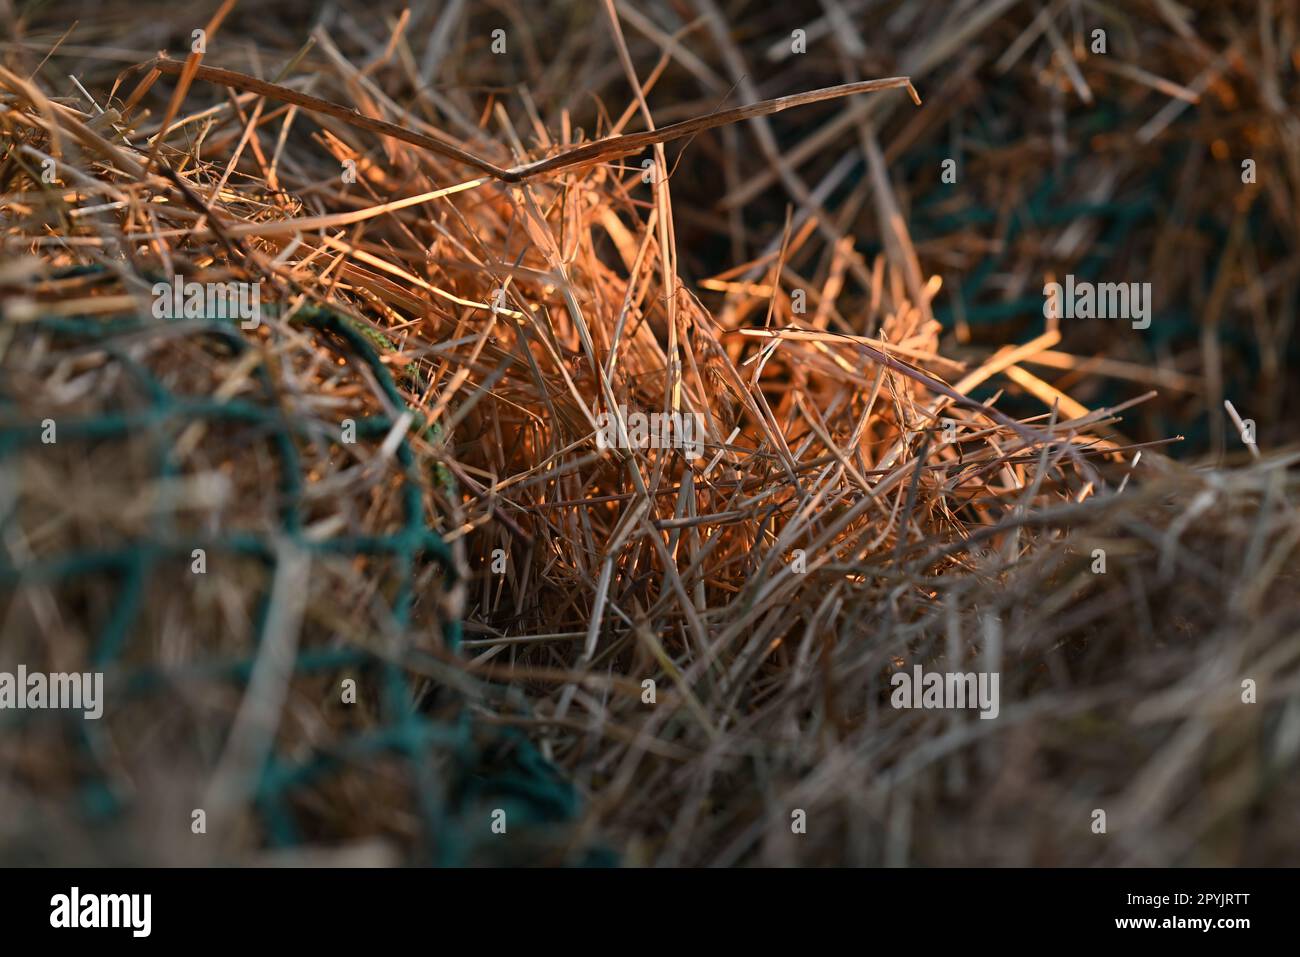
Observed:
{"x":857,"y":509}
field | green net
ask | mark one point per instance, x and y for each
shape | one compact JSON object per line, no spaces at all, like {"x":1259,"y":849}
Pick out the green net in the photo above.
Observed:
{"x":458,"y":770}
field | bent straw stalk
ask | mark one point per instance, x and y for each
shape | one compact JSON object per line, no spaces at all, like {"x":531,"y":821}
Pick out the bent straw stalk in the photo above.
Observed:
{"x":608,"y":148}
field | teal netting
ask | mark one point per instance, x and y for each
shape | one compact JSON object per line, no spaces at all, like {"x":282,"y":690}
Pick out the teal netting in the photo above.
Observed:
{"x":491,"y":767}
{"x":1051,"y":200}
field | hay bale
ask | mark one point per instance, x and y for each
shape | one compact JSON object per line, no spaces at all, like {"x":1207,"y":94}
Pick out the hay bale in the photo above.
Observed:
{"x":697,"y":627}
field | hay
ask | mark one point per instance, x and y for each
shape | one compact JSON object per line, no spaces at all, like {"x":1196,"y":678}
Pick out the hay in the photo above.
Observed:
{"x":883,"y":484}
